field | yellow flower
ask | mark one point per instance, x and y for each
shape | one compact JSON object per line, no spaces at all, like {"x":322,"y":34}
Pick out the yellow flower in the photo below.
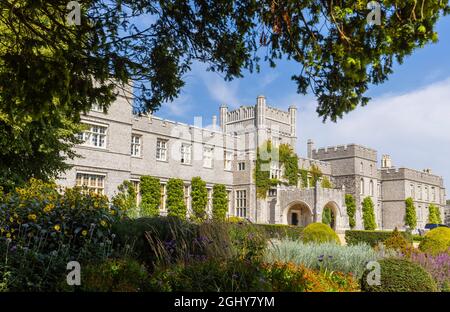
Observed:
{"x":103,"y":223}
{"x":11,"y":219}
{"x":57,"y":227}
{"x":32,"y":217}
{"x":8,"y":235}
{"x":113,"y":212}
{"x":84,"y":233}
{"x":49,"y":207}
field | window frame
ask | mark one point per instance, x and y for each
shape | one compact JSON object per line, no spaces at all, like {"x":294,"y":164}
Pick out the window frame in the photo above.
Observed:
{"x":135,"y":145}
{"x":160,"y":149}
{"x":90,"y":187}
{"x":87,"y":135}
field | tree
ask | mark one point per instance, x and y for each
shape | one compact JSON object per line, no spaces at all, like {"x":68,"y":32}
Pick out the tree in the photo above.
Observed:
{"x":51,"y":71}
{"x":175,"y":199}
{"x":434,"y":214}
{"x":220,"y":202}
{"x":368,"y":214}
{"x":125,"y":199}
{"x":199,"y":195}
{"x":150,"y":196}
{"x":410,"y":213}
{"x":351,"y":209}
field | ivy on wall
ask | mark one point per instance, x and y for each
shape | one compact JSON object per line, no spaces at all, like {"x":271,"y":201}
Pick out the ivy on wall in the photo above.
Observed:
{"x":175,"y":199}
{"x":368,"y":214}
{"x":287,"y":159}
{"x":351,"y":210}
{"x":326,"y":183}
{"x":410,"y":213}
{"x":150,"y":196}
{"x":199,"y":195}
{"x":304,"y":177}
{"x":434,"y":214}
{"x":315,"y":173}
{"x":219,"y":202}
{"x":125,"y":199}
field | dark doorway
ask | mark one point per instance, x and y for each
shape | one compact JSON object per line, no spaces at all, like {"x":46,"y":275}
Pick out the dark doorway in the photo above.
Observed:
{"x":294,"y":218}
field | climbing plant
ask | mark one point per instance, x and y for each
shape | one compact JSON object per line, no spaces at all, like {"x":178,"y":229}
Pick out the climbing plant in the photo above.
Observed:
{"x":434,"y":214}
{"x":150,"y":196}
{"x":351,"y":209}
{"x":125,"y":199}
{"x":326,"y":183}
{"x":287,"y":159}
{"x":219,"y":202}
{"x":410,"y":213}
{"x":199,"y":196}
{"x":304,"y":177}
{"x":175,"y":198}
{"x":368,"y":214}
{"x":315,"y":173}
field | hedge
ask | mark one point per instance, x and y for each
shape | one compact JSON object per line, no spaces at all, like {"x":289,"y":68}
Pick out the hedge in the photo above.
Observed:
{"x":372,"y":238}
{"x":279,"y":231}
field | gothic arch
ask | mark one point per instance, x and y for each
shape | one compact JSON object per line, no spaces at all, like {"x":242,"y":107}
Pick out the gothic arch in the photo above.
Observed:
{"x":298,"y":213}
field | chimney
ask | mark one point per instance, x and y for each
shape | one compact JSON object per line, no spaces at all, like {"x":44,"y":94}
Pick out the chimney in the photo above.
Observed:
{"x":386,"y":161}
{"x":310,"y":148}
{"x":214,"y":122}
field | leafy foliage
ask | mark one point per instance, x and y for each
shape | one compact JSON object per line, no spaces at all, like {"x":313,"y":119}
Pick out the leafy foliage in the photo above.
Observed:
{"x":219,"y":202}
{"x":319,"y":233}
{"x":175,"y":199}
{"x":150,"y":189}
{"x":304,"y":177}
{"x":289,"y":160}
{"x":327,"y":216}
{"x":199,"y":196}
{"x":368,"y":214}
{"x":326,"y":183}
{"x":410,"y":213}
{"x":434,"y":214}
{"x":372,"y":238}
{"x":398,"y":242}
{"x":125,"y":199}
{"x":315,"y":173}
{"x":351,"y":209}
{"x":436,"y":241}
{"x":400,"y":275}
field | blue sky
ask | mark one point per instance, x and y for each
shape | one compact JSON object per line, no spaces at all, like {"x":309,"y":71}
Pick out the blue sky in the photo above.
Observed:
{"x":408,"y":117}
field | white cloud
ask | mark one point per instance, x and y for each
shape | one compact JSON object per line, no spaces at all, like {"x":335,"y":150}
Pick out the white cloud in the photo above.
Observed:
{"x":179,"y":107}
{"x":414,"y":128}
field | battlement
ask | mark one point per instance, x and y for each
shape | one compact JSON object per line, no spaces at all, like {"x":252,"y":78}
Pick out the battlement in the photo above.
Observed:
{"x":306,"y":163}
{"x":278,"y":115}
{"x":411,"y":174}
{"x":341,"y":151}
{"x":240,"y":114}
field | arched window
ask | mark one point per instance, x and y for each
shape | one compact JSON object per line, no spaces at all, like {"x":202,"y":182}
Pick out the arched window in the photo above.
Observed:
{"x":371,"y":188}
{"x":362,"y":187}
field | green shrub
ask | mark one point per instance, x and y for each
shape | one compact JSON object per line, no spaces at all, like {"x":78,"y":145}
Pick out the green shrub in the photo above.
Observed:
{"x":434,"y":214}
{"x":319,"y":233}
{"x":249,"y":241}
{"x":280,"y":231}
{"x":329,"y":256}
{"x":410,"y":213}
{"x":326,"y":183}
{"x":327,"y":216}
{"x":150,"y":196}
{"x":114,"y":275}
{"x":398,"y":242}
{"x":399,"y":275}
{"x":436,"y":241}
{"x":125,"y":199}
{"x":219,"y":202}
{"x":351,"y":209}
{"x":175,"y":199}
{"x":368,"y":214}
{"x":372,"y":238}
{"x":199,"y":196}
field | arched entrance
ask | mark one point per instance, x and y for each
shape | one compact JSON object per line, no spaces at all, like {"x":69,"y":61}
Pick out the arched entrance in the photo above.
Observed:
{"x":299,"y":214}
{"x":330,"y":213}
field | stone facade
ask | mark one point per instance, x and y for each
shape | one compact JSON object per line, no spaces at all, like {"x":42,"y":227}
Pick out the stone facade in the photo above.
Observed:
{"x":122,"y":146}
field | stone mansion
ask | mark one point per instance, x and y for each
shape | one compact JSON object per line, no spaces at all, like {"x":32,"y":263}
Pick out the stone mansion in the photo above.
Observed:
{"x":120,"y":145}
